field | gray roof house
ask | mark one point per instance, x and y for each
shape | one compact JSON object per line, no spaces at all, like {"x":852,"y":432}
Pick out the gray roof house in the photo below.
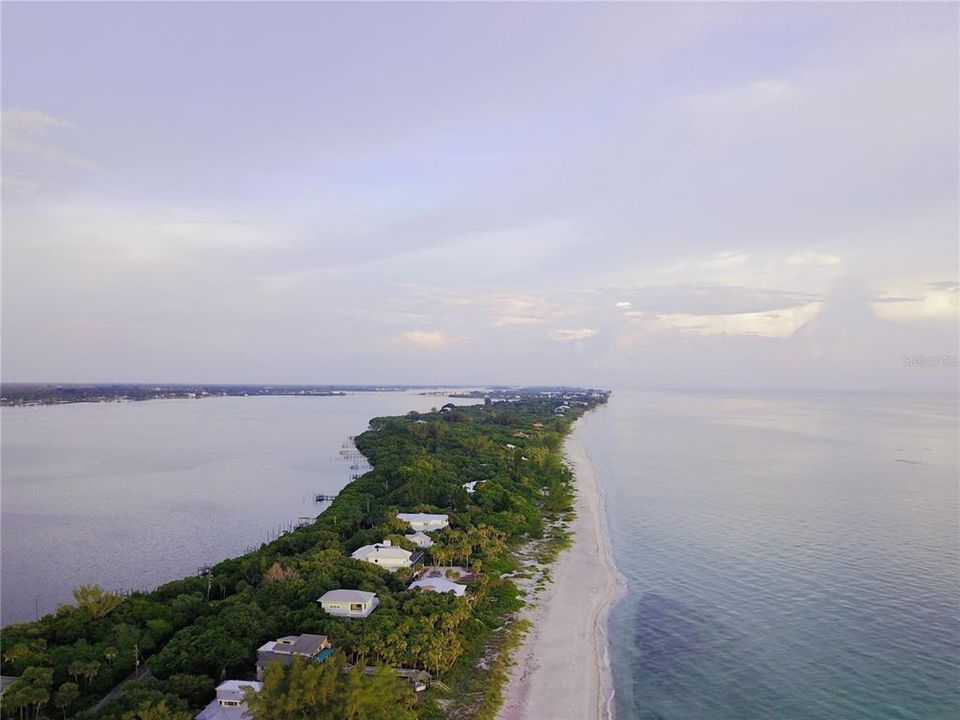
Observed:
{"x":349,"y":603}
{"x":424,"y":522}
{"x":310,"y":647}
{"x":229,"y":703}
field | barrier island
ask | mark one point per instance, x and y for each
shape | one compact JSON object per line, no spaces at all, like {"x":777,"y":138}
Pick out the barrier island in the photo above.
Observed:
{"x":436,"y":643}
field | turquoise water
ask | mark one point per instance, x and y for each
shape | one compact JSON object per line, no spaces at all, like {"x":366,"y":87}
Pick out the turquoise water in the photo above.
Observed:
{"x":791,"y":556}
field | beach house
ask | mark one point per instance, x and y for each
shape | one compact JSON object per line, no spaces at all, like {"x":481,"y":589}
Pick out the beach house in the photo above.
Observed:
{"x":424,"y":522}
{"x":439,"y":585}
{"x":311,"y":647}
{"x":229,"y":704}
{"x":385,"y":554}
{"x":349,"y":603}
{"x":420,"y":539}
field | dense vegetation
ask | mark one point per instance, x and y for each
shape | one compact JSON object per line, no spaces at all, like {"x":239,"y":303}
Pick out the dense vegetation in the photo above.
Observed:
{"x":195,"y":632}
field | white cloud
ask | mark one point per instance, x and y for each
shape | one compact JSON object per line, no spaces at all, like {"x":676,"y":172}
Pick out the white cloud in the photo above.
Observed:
{"x":19,"y":185}
{"x":812,"y":258}
{"x":572,"y":334}
{"x":773,"y":324}
{"x":428,"y":339}
{"x":624,"y":304}
{"x":24,"y":132}
{"x":932,"y":303}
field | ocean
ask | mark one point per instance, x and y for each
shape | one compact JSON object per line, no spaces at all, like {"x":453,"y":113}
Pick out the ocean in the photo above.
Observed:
{"x":786,"y":556}
{"x":130,"y":495}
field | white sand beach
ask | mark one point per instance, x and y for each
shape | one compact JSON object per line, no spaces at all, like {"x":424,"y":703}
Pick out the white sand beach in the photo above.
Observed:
{"x":562,"y":671}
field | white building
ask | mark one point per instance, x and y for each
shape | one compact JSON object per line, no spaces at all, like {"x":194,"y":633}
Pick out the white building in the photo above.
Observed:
{"x":439,"y":585}
{"x":471,"y":487}
{"x":385,"y":554}
{"x":424,"y":522}
{"x":229,"y":703}
{"x":349,"y":603}
{"x":420,"y":539}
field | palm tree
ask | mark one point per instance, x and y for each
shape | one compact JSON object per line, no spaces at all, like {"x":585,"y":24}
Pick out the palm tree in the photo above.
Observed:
{"x":66,"y":696}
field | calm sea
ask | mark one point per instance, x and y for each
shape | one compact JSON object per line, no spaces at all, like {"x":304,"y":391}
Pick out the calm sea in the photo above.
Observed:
{"x":791,"y":556}
{"x":131,"y":495}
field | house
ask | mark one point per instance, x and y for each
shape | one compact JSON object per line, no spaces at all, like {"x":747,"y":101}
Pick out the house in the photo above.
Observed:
{"x":424,"y":522}
{"x":229,"y":703}
{"x":385,"y":554}
{"x":471,"y":487}
{"x":420,"y":539}
{"x":349,"y":603}
{"x":439,"y":585}
{"x":311,"y":647}
{"x":448,"y":407}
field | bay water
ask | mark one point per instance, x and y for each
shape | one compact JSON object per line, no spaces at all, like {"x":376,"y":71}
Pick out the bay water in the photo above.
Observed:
{"x":129,"y":495}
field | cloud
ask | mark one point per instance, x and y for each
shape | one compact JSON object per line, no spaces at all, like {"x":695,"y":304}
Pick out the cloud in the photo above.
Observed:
{"x":713,"y":299}
{"x":19,"y":185}
{"x":946,"y":285}
{"x":428,"y":339}
{"x":779,"y":324}
{"x":624,"y":304}
{"x":519,"y":310}
{"x":810,"y":258}
{"x":937,"y":304}
{"x":572,"y":334}
{"x":24,"y":132}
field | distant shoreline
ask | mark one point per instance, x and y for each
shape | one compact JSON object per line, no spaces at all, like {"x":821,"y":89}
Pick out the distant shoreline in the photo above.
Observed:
{"x":33,"y":394}
{"x":571,"y":614}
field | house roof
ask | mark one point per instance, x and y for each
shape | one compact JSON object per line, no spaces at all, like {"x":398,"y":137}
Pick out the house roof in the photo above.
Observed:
{"x":385,"y":551}
{"x":422,"y":517}
{"x":306,"y":645}
{"x":419,"y":537}
{"x":234,"y":689}
{"x":216,"y":711}
{"x":348,"y":596}
{"x":229,"y":690}
{"x":440,"y":585}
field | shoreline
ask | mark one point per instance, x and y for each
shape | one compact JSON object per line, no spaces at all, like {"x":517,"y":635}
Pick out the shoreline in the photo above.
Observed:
{"x":562,"y":671}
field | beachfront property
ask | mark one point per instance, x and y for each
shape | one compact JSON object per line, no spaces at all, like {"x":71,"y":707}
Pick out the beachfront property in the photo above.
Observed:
{"x":424,"y":522}
{"x":229,"y":704}
{"x":312,"y":647}
{"x":420,"y":539}
{"x":349,"y":603}
{"x":439,"y":585}
{"x":385,"y":554}
{"x":419,"y":680}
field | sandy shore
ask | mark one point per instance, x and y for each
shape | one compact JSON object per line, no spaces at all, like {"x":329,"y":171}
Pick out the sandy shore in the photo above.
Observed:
{"x":562,"y":671}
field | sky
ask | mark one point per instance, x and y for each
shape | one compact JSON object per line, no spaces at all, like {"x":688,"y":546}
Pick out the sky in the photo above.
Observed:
{"x":614,"y":195}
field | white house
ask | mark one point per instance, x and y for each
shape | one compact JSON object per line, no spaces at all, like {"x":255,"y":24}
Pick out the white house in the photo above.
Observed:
{"x":385,"y":554}
{"x":349,"y":603}
{"x":471,"y":487}
{"x":420,"y":539}
{"x":440,"y":585}
{"x":229,"y":703}
{"x":424,"y":522}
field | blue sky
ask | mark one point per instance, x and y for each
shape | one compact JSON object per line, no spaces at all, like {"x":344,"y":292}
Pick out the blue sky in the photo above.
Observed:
{"x":756,"y":195}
